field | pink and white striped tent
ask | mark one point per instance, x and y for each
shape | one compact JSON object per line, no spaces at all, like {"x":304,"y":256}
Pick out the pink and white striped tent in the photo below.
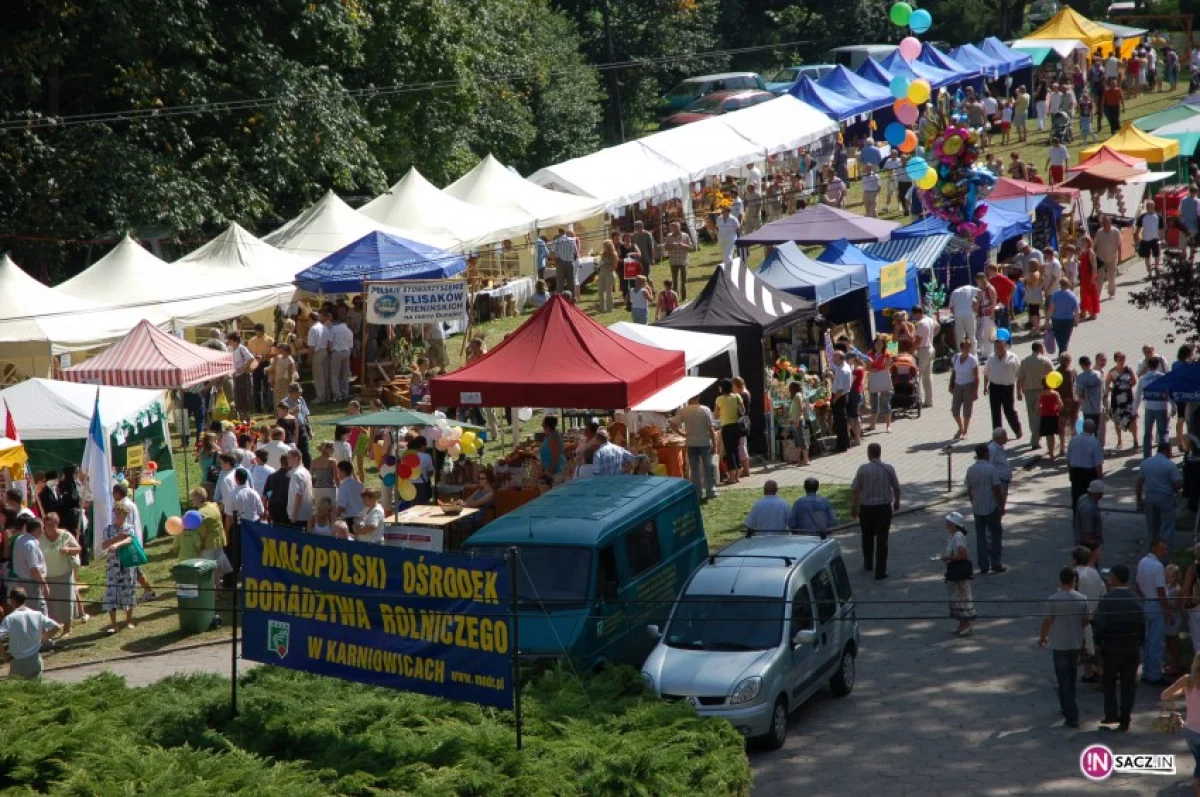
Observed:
{"x":148,"y":357}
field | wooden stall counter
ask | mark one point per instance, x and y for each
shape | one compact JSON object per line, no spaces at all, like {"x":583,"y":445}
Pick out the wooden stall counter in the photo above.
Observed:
{"x":430,"y":516}
{"x":508,"y":499}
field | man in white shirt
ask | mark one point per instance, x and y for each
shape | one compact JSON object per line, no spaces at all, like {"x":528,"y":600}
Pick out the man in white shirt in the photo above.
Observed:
{"x":842,"y":381}
{"x":226,"y":485}
{"x":1054,"y":100}
{"x":247,"y":504}
{"x":1000,"y":386}
{"x":727,"y":233}
{"x":29,"y":564}
{"x":435,"y":337}
{"x":926,"y":330}
{"x":244,"y":364}
{"x":1149,"y":237}
{"x":349,"y":493}
{"x":261,"y":470}
{"x":25,"y":630}
{"x":300,"y":495}
{"x":1056,"y":162}
{"x":769,"y":513}
{"x":870,"y":187}
{"x":964,"y":304}
{"x":1112,"y":67}
{"x":341,"y":344}
{"x":277,"y":449}
{"x":318,"y":344}
{"x":1152,"y":586}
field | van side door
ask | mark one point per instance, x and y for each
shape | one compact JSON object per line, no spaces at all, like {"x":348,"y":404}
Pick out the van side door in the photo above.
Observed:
{"x":826,"y":603}
{"x":802,"y":669}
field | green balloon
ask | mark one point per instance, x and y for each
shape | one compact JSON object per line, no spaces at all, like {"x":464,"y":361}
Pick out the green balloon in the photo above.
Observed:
{"x":900,"y":13}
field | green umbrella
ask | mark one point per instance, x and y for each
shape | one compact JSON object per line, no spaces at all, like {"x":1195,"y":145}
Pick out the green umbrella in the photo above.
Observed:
{"x":401,"y":417}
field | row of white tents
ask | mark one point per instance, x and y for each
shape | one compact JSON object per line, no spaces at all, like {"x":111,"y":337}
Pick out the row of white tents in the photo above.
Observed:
{"x":237,"y":274}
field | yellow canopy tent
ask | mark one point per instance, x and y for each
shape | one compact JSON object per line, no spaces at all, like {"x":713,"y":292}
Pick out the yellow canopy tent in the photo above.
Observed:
{"x":1070,"y":24}
{"x":1138,"y":144}
{"x":12,"y":455}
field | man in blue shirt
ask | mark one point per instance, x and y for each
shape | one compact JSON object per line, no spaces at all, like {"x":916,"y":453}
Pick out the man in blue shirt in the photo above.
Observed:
{"x":1155,"y":488}
{"x":769,"y":513}
{"x":1063,"y":309}
{"x":1189,"y":219}
{"x":812,"y":512}
{"x":610,"y":459}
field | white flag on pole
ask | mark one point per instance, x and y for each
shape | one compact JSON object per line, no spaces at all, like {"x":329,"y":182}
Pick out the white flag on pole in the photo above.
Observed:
{"x":97,"y":469}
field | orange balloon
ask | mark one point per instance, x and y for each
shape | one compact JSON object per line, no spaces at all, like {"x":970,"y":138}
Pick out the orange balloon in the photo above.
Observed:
{"x":900,"y":103}
{"x":909,"y":143}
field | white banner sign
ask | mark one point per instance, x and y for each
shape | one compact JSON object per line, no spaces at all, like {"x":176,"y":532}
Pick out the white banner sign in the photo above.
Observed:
{"x":416,"y":301}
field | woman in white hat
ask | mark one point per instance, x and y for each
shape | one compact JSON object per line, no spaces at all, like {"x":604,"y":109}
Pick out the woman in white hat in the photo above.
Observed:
{"x":958,"y":574}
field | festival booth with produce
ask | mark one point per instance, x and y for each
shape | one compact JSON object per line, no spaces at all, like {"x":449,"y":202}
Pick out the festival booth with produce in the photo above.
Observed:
{"x":767,"y":324}
{"x":12,"y":462}
{"x":562,"y":359}
{"x":53,"y":419}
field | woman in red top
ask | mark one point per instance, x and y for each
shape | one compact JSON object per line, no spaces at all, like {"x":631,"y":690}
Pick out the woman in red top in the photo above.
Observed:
{"x":879,"y":383}
{"x":1049,"y":408}
{"x":1089,"y":281}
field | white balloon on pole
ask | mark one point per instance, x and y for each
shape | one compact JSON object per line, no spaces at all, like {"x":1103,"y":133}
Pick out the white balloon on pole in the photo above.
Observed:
{"x":524,"y":414}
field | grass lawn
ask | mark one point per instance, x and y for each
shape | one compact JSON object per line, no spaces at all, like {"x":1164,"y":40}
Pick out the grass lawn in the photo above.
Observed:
{"x":724,"y":518}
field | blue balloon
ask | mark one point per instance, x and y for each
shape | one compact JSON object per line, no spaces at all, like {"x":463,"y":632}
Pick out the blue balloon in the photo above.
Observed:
{"x":916,"y":168}
{"x":920,"y":21}
{"x":899,"y":86}
{"x":871,"y":156}
{"x":482,"y":436}
{"x":1079,"y":425}
{"x":894,"y":133}
{"x":1003,"y":335}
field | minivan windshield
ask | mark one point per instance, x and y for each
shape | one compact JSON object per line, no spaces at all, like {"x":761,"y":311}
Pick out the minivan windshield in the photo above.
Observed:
{"x":721,"y":622}
{"x":550,"y":577}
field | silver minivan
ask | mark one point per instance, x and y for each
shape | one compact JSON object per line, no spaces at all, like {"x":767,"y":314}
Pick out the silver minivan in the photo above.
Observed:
{"x":757,"y":630}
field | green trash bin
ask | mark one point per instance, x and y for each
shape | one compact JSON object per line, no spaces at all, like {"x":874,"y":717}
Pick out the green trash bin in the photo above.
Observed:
{"x":194,"y":592}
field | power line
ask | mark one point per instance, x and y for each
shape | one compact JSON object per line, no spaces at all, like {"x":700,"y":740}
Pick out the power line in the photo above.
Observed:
{"x":368,"y":93}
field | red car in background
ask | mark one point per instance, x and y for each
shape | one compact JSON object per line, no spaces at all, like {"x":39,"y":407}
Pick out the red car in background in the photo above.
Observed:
{"x":717,"y":103}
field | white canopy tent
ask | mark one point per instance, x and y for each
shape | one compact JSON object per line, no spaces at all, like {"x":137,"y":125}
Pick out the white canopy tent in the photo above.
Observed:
{"x":252,"y":266}
{"x":418,"y":205}
{"x":782,"y":124}
{"x":618,"y":176}
{"x":674,"y":395}
{"x":132,"y":279}
{"x":492,"y":185}
{"x":1062,"y":47}
{"x":330,"y":225}
{"x":705,"y":148}
{"x":48,"y":409}
{"x":697,"y":347}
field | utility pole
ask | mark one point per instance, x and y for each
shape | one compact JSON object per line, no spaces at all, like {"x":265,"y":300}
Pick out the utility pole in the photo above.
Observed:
{"x":614,"y":84}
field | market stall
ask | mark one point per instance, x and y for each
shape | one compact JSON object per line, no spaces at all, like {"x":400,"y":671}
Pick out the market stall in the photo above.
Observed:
{"x":841,"y":293}
{"x":901,"y":294}
{"x":820,"y":224}
{"x":54,"y":417}
{"x":735,"y":302}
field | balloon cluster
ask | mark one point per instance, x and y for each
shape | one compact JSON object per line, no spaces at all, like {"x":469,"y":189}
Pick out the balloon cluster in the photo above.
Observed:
{"x":954,"y":196}
{"x":910,"y":94}
{"x":453,"y":440}
{"x":399,"y":473}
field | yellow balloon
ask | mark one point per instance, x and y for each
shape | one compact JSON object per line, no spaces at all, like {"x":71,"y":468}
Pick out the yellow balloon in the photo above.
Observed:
{"x":1054,"y":380}
{"x":928,"y":180}
{"x":406,"y":490}
{"x":918,"y":91}
{"x":467,"y":439}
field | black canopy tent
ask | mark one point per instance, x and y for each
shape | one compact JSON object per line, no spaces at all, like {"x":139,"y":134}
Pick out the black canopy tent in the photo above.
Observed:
{"x":735,"y":302}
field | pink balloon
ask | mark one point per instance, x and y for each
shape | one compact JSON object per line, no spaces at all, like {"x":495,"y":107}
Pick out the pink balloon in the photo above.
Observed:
{"x":910,"y":48}
{"x":907,"y":114}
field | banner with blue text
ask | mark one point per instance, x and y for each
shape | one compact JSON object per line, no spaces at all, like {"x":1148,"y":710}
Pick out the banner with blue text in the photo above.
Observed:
{"x":424,"y":622}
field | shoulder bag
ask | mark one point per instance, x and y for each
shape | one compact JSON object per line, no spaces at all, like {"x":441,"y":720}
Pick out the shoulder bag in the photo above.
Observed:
{"x":743,"y":420}
{"x":133,"y":554}
{"x":960,"y":570}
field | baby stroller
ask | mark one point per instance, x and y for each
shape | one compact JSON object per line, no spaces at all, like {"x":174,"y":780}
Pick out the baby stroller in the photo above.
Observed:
{"x":1060,"y":127}
{"x":905,"y":378}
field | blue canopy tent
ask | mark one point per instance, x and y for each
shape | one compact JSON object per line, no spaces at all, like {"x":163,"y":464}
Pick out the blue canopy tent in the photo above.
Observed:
{"x":967,"y":73}
{"x":845,"y":83}
{"x":836,"y":106}
{"x":1181,"y":385}
{"x":938,"y":78}
{"x":871,"y":71}
{"x":1003,"y":226}
{"x":378,"y":256}
{"x":841,"y":292}
{"x":924,"y":253}
{"x":970,"y":55}
{"x":844,"y":253}
{"x":1012,"y":62}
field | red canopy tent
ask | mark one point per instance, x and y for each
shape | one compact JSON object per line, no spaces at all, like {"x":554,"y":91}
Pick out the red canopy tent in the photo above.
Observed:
{"x":560,"y":358}
{"x":1107,"y":155}
{"x":1008,"y":188}
{"x":149,"y":357}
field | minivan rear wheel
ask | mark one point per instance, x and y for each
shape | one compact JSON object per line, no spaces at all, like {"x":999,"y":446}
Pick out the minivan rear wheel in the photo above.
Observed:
{"x":777,"y":735}
{"x":842,"y":682}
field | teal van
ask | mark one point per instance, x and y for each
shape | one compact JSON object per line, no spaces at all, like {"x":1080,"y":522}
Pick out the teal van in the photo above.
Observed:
{"x":600,"y":558}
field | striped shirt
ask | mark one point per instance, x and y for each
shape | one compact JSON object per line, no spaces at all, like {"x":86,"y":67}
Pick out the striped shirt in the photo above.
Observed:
{"x":565,"y":249}
{"x":982,"y":480}
{"x":876,"y":484}
{"x":678,"y":245}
